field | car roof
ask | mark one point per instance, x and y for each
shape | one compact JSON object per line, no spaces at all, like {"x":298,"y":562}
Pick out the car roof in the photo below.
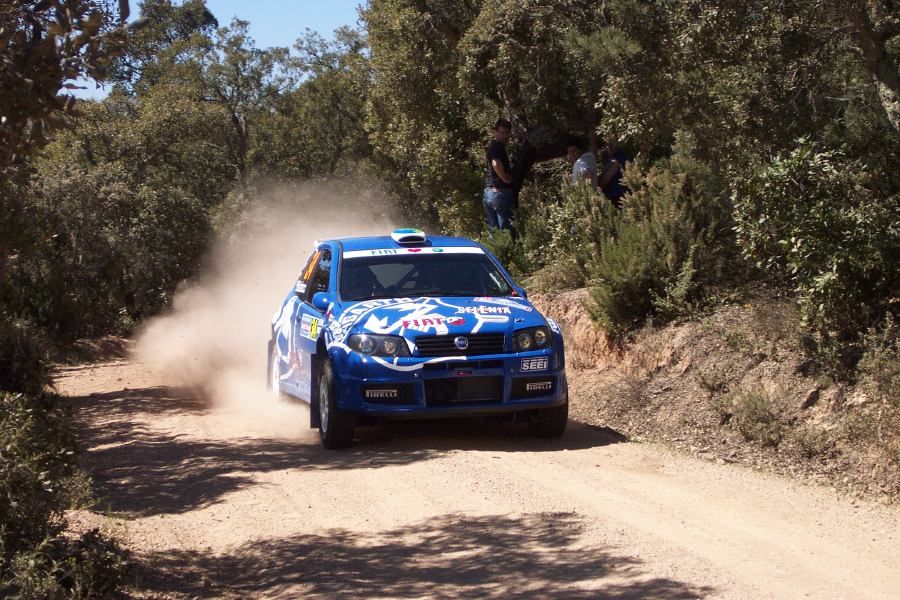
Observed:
{"x":385,"y":241}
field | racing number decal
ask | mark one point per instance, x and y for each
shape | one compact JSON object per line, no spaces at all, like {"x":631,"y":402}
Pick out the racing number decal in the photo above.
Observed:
{"x":309,"y":327}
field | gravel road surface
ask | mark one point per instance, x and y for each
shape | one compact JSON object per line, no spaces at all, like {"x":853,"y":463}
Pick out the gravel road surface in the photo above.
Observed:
{"x":215,"y":501}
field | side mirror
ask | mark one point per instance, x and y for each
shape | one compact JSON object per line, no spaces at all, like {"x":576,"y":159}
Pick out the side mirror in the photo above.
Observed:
{"x":321,"y":300}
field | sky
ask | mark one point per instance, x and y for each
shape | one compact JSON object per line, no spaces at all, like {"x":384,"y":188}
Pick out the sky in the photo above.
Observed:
{"x":272,"y":22}
{"x":280,"y":22}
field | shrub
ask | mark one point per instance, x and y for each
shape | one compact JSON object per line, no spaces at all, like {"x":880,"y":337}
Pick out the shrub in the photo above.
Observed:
{"x":754,"y":413}
{"x":558,"y":276}
{"x":534,"y":232}
{"x":713,"y":380}
{"x":581,"y":225}
{"x":91,"y":566}
{"x":502,"y":245}
{"x":567,"y":224}
{"x":811,"y":442}
{"x":810,"y":220}
{"x":879,"y":368}
{"x":629,"y":270}
{"x":38,"y":447}
{"x":668,"y":244}
{"x":105,"y":251}
{"x":24,"y":358}
{"x":38,"y":482}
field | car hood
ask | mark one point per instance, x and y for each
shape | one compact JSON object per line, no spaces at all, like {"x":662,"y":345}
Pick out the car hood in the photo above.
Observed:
{"x":412,"y":317}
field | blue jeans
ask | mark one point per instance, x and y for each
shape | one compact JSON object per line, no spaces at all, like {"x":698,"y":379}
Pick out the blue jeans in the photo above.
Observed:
{"x":498,"y":208}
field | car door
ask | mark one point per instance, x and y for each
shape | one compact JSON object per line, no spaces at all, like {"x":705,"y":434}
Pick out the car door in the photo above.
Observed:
{"x":308,"y":322}
{"x":286,"y":328}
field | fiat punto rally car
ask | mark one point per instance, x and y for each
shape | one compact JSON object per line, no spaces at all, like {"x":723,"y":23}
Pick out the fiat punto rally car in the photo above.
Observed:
{"x":410,"y":326}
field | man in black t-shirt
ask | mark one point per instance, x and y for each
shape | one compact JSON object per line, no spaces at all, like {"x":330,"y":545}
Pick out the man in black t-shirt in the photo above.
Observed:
{"x":498,"y":190}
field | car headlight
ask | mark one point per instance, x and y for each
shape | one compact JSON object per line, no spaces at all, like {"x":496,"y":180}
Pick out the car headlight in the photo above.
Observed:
{"x":532,"y":338}
{"x":378,"y":345}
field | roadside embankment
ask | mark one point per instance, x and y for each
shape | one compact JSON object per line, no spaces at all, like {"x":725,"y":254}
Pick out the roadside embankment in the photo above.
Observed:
{"x":735,"y":386}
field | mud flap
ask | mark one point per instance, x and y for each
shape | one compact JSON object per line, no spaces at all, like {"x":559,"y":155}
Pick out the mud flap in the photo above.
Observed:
{"x":314,"y":367}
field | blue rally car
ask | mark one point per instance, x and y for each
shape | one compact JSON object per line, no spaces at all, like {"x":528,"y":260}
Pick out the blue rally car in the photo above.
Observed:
{"x":409,"y":326}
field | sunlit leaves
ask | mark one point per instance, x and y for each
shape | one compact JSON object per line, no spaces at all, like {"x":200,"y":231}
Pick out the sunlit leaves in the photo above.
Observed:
{"x":43,"y":45}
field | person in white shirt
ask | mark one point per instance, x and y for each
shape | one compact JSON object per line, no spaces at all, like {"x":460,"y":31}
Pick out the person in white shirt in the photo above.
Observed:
{"x":584,"y":164}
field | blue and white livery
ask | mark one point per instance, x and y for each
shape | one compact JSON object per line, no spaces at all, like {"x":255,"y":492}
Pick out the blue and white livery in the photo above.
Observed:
{"x":410,"y":326}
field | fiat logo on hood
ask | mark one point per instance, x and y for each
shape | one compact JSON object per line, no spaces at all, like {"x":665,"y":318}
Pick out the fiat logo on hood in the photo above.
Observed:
{"x":461,"y":342}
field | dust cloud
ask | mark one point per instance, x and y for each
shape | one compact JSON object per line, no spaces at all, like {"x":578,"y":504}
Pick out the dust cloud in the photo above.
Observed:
{"x":214,"y":338}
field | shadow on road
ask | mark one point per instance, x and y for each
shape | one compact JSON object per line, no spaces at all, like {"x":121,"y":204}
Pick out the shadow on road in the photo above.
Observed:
{"x":452,"y":556}
{"x":482,"y":434}
{"x":142,"y":471}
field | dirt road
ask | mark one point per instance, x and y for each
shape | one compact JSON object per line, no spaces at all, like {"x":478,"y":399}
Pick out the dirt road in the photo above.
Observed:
{"x":215,"y":503}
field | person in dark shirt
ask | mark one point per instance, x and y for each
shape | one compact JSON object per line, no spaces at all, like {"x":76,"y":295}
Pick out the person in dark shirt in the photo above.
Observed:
{"x":498,"y":181}
{"x":610,"y":179}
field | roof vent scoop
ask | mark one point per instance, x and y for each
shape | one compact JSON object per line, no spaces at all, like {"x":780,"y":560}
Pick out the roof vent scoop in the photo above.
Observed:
{"x":408,"y":236}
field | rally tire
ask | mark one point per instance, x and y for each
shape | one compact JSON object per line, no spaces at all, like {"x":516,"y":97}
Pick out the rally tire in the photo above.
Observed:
{"x":549,"y":422}
{"x":335,"y":425}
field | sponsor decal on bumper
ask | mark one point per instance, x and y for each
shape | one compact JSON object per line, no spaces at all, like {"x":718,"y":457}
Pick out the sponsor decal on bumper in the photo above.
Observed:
{"x":539,"y":386}
{"x":537,"y":363}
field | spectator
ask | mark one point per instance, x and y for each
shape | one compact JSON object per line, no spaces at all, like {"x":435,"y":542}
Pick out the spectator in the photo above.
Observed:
{"x":610,"y":180}
{"x":498,"y":181}
{"x":584,"y":165}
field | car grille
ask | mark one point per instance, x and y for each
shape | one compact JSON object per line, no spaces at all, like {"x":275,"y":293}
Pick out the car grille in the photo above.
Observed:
{"x":463,"y":365}
{"x":444,"y":391}
{"x":444,"y":345}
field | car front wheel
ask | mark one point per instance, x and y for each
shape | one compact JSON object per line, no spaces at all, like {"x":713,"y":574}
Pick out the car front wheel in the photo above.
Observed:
{"x":549,"y":422}
{"x":335,"y":425}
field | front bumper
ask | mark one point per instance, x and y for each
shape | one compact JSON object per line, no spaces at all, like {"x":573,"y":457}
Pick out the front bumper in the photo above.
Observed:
{"x":451,"y":386}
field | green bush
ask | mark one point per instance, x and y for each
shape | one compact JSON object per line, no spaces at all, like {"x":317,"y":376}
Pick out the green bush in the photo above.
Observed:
{"x":629,"y":272}
{"x":754,"y":413}
{"x":669,"y":244}
{"x":24,"y":358}
{"x":106,"y":250}
{"x":810,"y":220}
{"x":37,"y":445}
{"x":38,"y":482}
{"x":879,"y":368}
{"x":91,"y":566}
{"x":534,"y":233}
{"x":582,"y":225}
{"x":502,"y":245}
{"x":558,"y":276}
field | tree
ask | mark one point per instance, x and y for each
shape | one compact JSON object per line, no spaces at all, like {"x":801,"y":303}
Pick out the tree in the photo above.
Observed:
{"x":169,"y":38}
{"x":444,"y":71}
{"x":316,"y":128}
{"x":45,"y":45}
{"x":874,"y":38}
{"x":416,"y":114}
{"x":244,"y":80}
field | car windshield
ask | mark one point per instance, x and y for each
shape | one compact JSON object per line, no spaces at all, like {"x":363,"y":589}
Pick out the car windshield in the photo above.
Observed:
{"x":405,"y":275}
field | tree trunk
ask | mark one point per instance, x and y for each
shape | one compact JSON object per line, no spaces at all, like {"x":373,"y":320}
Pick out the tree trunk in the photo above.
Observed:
{"x":877,"y":61}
